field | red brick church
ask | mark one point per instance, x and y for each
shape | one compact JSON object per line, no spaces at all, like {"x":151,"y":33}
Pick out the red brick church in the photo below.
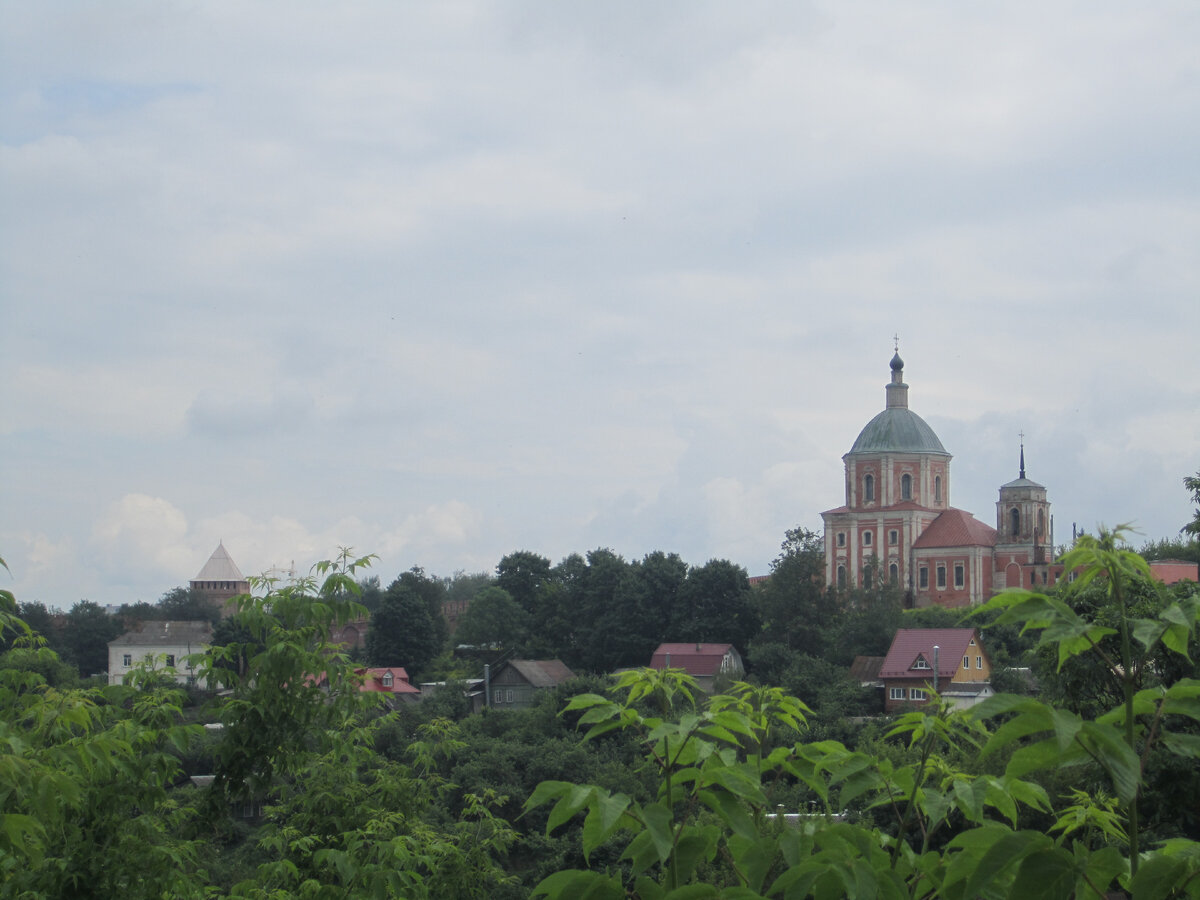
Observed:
{"x":897,"y":523}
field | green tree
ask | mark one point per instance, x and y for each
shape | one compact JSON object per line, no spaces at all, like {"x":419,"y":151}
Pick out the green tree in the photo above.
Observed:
{"x":715,"y":604}
{"x":524,"y":575}
{"x":796,"y":608}
{"x":493,"y":619}
{"x":1171,"y":549}
{"x":85,"y":636}
{"x":402,"y":631}
{"x":1192,"y":483}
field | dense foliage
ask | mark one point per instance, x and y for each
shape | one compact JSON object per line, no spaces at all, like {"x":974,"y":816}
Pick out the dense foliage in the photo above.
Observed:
{"x":646,"y":788}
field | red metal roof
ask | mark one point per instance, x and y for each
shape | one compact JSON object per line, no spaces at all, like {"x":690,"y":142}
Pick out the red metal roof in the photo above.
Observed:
{"x":373,"y":681}
{"x":910,"y":643}
{"x":956,"y":528}
{"x":693,"y":658}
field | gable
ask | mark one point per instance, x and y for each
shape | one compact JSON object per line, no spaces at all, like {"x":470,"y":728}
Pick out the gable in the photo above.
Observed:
{"x":911,"y":644}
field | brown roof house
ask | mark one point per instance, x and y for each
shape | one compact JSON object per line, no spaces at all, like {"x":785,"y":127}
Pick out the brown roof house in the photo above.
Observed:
{"x":951,"y":661}
{"x":704,"y":662}
{"x":515,"y":683}
{"x":163,"y":644}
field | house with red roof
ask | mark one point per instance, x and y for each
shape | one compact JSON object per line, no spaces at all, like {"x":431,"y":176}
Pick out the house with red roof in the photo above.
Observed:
{"x":704,"y":662}
{"x":950,"y":661}
{"x":392,"y":681}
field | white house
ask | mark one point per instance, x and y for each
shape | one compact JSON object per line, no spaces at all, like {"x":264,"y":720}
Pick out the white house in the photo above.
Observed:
{"x":166,"y":644}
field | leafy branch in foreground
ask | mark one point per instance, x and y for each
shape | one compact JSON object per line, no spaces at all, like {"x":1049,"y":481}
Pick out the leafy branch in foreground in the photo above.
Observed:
{"x":920,"y":826}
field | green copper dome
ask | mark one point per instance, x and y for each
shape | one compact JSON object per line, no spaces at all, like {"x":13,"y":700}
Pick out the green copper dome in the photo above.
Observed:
{"x":898,"y":430}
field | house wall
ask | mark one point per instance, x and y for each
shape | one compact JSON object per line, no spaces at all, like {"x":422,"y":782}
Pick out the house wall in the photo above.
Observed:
{"x":509,"y":690}
{"x":118,"y":668}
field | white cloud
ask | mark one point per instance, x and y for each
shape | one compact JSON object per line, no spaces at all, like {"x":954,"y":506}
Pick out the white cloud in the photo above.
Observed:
{"x":443,"y":282}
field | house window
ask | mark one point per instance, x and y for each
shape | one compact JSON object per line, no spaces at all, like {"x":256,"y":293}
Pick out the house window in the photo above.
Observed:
{"x":866,"y":539}
{"x":387,"y":679}
{"x":966,"y":662}
{"x":841,"y":539}
{"x":937,"y":489}
{"x":498,"y":696}
{"x":906,"y":487}
{"x":979,"y":662}
{"x":893,"y":537}
{"x":127,"y":660}
{"x":941,"y":576}
{"x":896,"y":693}
{"x":923,"y":576}
{"x":916,"y":694}
{"x":921,"y":663}
{"x":508,"y":696}
{"x":959,"y":575}
{"x":171,"y":660}
{"x":869,"y":487}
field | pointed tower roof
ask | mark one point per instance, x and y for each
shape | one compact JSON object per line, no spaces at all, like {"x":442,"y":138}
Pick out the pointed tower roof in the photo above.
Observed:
{"x":1021,"y":481}
{"x":220,"y":567}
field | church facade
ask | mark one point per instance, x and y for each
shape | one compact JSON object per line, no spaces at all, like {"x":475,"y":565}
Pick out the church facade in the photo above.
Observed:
{"x":897,"y":524}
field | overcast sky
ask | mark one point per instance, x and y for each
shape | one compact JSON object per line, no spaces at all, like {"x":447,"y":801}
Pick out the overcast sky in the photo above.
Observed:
{"x":441,"y":281}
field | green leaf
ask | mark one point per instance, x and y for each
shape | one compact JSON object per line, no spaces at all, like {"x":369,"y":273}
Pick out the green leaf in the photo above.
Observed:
{"x":694,"y":892}
{"x":659,"y":826}
{"x":1181,"y":744}
{"x":1008,"y":849}
{"x":1101,"y":867}
{"x":694,"y":846}
{"x":573,"y":884}
{"x":1157,"y":877}
{"x":731,"y":811}
{"x":1119,"y":759}
{"x":602,"y":820}
{"x":1048,"y":874}
{"x":737,"y":781}
{"x":571,"y":802}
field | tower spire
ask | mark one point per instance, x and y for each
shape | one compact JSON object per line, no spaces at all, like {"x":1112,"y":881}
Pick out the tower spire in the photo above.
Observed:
{"x":1022,"y":436}
{"x":897,"y":390}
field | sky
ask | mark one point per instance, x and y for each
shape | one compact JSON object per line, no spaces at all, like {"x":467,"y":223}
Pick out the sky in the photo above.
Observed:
{"x":442,"y":281}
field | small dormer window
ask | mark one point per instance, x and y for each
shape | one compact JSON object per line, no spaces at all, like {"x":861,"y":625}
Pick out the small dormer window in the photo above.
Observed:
{"x":387,"y":679}
{"x":921,"y":663}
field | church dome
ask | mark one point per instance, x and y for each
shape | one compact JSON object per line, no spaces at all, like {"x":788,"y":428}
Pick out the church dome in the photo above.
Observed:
{"x":898,"y":430}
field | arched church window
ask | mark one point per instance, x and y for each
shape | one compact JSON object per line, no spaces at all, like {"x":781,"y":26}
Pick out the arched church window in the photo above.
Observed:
{"x":906,"y":487}
{"x":937,"y":489}
{"x":841,"y":577}
{"x":1041,"y":526}
{"x":894,"y":573}
{"x":1014,"y":518}
{"x":869,"y":487}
